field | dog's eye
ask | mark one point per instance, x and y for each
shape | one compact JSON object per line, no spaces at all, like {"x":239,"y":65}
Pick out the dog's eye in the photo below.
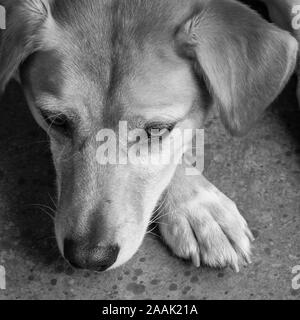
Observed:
{"x":56,"y":120}
{"x":159,"y":130}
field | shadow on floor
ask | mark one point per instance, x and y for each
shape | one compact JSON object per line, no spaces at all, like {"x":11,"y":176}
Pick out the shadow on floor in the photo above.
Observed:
{"x":27,"y":177}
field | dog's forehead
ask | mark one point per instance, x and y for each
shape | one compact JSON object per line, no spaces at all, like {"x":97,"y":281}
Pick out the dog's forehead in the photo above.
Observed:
{"x":117,"y":55}
{"x":110,"y":32}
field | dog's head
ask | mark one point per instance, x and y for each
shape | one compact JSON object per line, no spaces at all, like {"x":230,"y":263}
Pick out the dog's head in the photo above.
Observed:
{"x":91,"y":65}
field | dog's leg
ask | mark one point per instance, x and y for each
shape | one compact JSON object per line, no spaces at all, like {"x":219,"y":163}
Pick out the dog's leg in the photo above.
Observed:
{"x":199,"y":222}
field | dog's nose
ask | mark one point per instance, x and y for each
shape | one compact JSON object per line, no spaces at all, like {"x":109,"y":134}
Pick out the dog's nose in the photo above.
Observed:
{"x":99,"y":258}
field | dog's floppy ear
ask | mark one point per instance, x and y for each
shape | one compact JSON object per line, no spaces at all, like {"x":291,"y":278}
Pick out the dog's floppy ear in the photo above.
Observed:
{"x":24,"y":21}
{"x":245,"y":60}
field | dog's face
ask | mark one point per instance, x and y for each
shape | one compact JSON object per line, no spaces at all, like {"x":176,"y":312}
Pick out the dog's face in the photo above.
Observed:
{"x":107,"y":204}
{"x":88,"y":66}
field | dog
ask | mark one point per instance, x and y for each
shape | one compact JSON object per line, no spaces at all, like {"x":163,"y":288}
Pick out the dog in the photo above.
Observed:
{"x":87,"y":65}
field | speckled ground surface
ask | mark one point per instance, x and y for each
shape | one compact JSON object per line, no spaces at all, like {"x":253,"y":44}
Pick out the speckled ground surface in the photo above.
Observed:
{"x":261,"y":172}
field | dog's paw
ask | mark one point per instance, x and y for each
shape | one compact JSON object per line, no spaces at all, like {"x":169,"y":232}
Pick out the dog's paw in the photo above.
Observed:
{"x":208,"y":230}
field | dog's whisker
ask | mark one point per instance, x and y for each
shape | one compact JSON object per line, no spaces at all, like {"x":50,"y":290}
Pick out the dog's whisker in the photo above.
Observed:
{"x":157,"y":221}
{"x":47,"y":213}
{"x":34,"y":143}
{"x":161,"y":223}
{"x":43,"y":209}
{"x":162,"y":203}
{"x":158,"y":217}
{"x":150,"y":232}
{"x":46,"y":207}
{"x":153,"y":234}
{"x":53,"y":202}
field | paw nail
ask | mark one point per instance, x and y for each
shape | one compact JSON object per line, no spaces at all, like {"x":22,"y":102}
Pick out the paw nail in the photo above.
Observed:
{"x":248,"y":260}
{"x":235,"y":268}
{"x":196,"y":260}
{"x":250,"y":236}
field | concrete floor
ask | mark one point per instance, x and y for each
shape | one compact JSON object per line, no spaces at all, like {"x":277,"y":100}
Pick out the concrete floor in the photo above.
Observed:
{"x":261,"y":172}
